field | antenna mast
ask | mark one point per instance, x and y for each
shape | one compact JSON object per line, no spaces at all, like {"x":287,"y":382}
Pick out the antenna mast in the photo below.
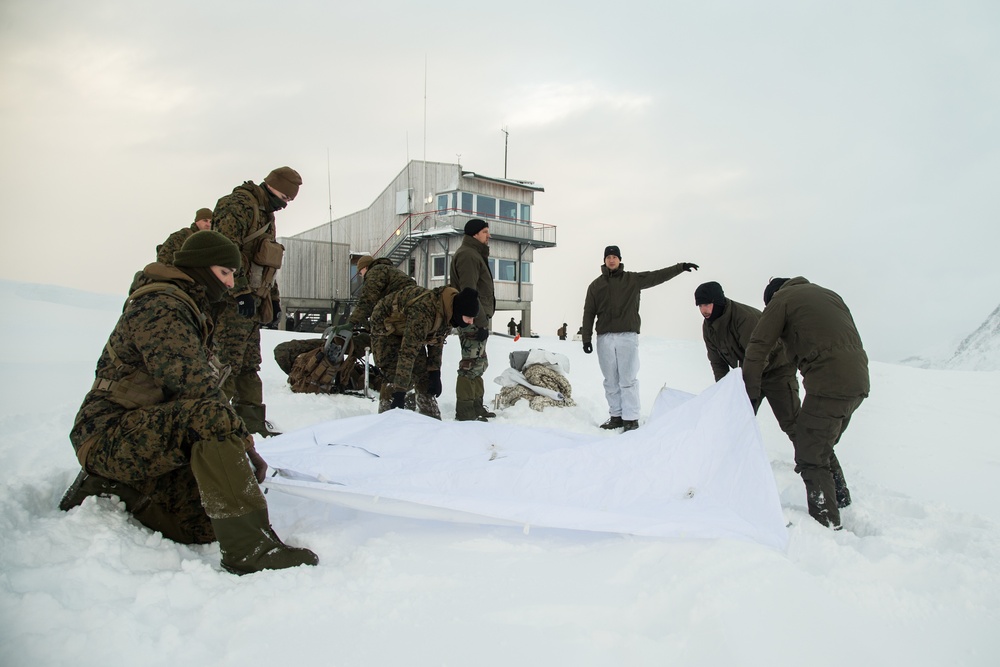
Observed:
{"x":506,"y":134}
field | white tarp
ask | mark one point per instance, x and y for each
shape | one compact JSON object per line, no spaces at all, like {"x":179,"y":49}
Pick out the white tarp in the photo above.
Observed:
{"x":696,"y":469}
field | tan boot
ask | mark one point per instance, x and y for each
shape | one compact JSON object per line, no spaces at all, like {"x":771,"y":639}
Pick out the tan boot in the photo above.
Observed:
{"x":249,"y":544}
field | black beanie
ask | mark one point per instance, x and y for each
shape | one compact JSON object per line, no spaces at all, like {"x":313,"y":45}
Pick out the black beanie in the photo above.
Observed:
{"x":208,"y":248}
{"x":773,"y":287}
{"x":709,"y":293}
{"x":612,"y":250}
{"x":474,"y":226}
{"x":466,"y":304}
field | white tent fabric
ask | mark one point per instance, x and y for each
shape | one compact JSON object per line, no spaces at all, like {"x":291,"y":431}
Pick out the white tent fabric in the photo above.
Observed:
{"x":696,"y":469}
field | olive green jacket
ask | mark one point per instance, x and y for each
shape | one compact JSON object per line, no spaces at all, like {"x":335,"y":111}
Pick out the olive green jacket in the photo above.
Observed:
{"x":820,"y":338}
{"x":614,"y":298}
{"x":727,"y":336}
{"x":470,"y":268}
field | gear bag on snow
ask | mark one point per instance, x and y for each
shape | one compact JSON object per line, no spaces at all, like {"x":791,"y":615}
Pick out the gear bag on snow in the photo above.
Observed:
{"x":331,"y":366}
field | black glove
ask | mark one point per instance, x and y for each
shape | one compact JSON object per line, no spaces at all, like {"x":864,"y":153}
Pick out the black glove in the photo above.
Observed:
{"x":588,"y":348}
{"x":276,"y":309}
{"x":397,"y":399}
{"x":245,"y":304}
{"x":482,"y":333}
{"x":687,"y":266}
{"x":434,"y":383}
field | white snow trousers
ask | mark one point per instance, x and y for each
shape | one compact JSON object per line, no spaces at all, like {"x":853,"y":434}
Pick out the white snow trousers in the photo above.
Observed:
{"x":618,"y":355}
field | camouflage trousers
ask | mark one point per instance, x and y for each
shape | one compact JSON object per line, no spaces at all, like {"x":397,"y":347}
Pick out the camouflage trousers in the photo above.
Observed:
{"x":150,"y":450}
{"x":474,"y":361}
{"x":236,"y":343}
{"x":386,"y":352}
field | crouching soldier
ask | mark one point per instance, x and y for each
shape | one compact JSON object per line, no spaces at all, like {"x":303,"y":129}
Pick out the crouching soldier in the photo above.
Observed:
{"x":408,"y":332}
{"x":381,"y":279}
{"x":156,"y":429}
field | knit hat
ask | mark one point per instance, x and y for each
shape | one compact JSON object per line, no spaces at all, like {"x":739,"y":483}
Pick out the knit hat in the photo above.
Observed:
{"x":208,"y":248}
{"x":773,"y":287}
{"x":466,"y":303}
{"x":612,"y":250}
{"x":364,"y":262}
{"x":474,"y":226}
{"x":203,"y":214}
{"x":285,"y":180}
{"x":709,"y":293}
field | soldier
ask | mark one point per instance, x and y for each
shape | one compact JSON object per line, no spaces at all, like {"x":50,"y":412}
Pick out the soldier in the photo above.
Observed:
{"x":561,"y":332}
{"x":165,"y":251}
{"x":246,"y":217}
{"x":820,"y":337}
{"x":381,"y":279}
{"x":512,"y":327}
{"x":155,"y":428}
{"x":726,"y":329}
{"x":470,"y":270}
{"x":613,"y":299}
{"x":408,"y":332}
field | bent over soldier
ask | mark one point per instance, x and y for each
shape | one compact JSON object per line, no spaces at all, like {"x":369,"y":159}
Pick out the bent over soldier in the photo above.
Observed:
{"x":727,"y":328}
{"x":246,"y":217}
{"x":155,"y":428}
{"x":381,"y":279}
{"x":820,"y":337}
{"x":408,"y":334}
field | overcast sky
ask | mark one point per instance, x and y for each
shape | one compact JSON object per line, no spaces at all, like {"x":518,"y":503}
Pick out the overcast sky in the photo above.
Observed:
{"x":856,"y":143}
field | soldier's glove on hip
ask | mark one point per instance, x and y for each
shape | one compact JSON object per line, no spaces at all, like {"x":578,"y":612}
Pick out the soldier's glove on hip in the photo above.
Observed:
{"x":245,"y":305}
{"x":434,"y":383}
{"x":482,"y":333}
{"x":259,"y":465}
{"x":588,"y":348}
{"x":276,"y":309}
{"x":397,"y":399}
{"x":687,"y":266}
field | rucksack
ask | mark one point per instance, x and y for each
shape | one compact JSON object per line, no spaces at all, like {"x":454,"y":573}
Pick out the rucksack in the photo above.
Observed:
{"x":332,"y":368}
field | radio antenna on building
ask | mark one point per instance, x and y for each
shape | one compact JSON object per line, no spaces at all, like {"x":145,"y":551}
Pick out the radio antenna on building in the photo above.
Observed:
{"x":506,"y":134}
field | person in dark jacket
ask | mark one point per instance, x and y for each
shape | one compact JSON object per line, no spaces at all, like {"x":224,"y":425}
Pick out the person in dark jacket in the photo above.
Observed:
{"x":157,"y":431}
{"x":613,"y":299}
{"x":470,"y":269}
{"x":726,"y":329}
{"x":821,"y":339}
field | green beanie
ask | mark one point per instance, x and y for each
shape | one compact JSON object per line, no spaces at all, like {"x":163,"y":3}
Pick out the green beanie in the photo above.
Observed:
{"x":203,"y":214}
{"x":208,"y":248}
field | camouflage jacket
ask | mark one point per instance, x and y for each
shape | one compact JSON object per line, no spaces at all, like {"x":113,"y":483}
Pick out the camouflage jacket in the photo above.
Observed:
{"x":165,"y":251}
{"x":820,"y":338}
{"x":470,"y":268}
{"x":412,"y":318}
{"x":238,"y":216}
{"x":726,"y":338}
{"x":381,"y":279}
{"x":159,"y":335}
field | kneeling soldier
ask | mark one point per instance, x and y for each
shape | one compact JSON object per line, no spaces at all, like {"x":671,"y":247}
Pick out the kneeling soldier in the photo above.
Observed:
{"x":156,"y":429}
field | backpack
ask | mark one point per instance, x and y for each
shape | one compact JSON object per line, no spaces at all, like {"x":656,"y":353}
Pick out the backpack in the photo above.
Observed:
{"x":332,"y":368}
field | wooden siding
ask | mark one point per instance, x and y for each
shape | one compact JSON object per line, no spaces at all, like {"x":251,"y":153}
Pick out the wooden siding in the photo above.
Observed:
{"x":313,"y":271}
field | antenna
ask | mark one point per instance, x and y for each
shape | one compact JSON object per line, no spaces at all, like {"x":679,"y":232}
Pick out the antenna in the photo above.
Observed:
{"x":423,"y":185}
{"x":506,"y":134}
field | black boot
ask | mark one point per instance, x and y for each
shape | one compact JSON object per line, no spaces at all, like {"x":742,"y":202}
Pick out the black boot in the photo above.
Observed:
{"x":88,"y":484}
{"x":843,"y":493}
{"x":630,"y":424}
{"x":613,"y":423}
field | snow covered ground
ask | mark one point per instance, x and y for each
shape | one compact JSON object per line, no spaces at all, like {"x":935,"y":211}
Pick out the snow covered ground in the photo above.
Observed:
{"x":913,"y":579}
